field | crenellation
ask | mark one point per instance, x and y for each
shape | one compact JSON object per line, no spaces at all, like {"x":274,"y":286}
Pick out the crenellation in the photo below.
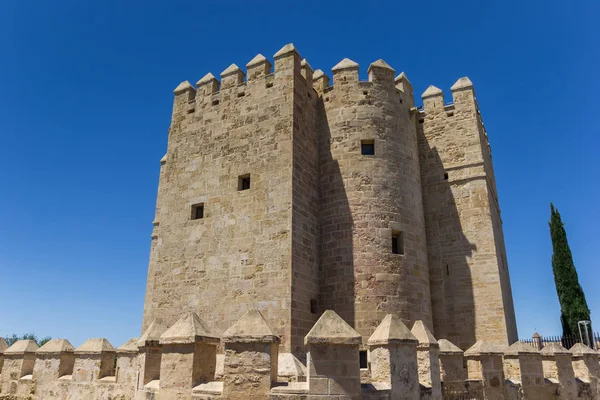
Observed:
{"x":381,"y":73}
{"x":320,"y":81}
{"x":207,"y":86}
{"x":258,"y":68}
{"x":402,"y":365}
{"x":344,"y":73}
{"x":231,"y":77}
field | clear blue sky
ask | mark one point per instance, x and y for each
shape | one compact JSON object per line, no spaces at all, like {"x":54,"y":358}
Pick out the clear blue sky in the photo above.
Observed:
{"x":85,"y":102}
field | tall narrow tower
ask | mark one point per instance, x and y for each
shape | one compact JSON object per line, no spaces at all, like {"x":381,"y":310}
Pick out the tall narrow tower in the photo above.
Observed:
{"x":236,"y":224}
{"x":470,"y":287}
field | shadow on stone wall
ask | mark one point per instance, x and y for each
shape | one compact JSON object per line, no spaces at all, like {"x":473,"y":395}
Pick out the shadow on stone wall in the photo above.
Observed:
{"x":336,"y":267}
{"x":449,"y":249}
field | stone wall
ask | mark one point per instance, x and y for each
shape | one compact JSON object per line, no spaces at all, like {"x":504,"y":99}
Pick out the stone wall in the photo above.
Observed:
{"x":470,"y":286}
{"x":404,"y":364}
{"x":242,"y":246}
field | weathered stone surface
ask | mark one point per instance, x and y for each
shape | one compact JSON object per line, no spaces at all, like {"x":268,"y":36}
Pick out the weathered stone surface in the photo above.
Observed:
{"x":391,"y":331}
{"x":251,"y":357}
{"x":188,"y":329}
{"x":183,"y":87}
{"x":346,"y":63}
{"x":557,"y":366}
{"x":22,"y":347}
{"x":251,"y":327}
{"x":95,"y":346}
{"x":431,"y":91}
{"x":3,"y":345}
{"x":447,"y":347}
{"x":129,"y":346}
{"x":393,"y":359}
{"x":519,"y":348}
{"x":152,"y":334}
{"x":331,"y":329}
{"x":462,"y":83}
{"x":56,"y":346}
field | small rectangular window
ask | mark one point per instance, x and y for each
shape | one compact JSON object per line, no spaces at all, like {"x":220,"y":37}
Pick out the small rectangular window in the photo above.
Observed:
{"x":367,"y":147}
{"x":313,"y":306}
{"x":363,"y":359}
{"x":244,"y":182}
{"x":397,"y":242}
{"x":445,"y":175}
{"x":198,"y":211}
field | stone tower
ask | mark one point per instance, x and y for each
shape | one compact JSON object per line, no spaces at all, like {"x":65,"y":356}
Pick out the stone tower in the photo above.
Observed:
{"x":471,"y":295}
{"x":282,"y":193}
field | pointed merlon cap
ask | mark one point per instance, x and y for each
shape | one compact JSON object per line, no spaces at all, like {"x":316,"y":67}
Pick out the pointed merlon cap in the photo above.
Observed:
{"x":285,"y":50}
{"x":346,"y":63}
{"x":461,"y":84}
{"x":188,"y":329}
{"x":152,"y":335}
{"x":3,"y":345}
{"x":447,"y":347}
{"x":95,"y":346}
{"x":129,"y":346}
{"x":183,"y":87}
{"x":318,"y":74}
{"x":402,"y":78}
{"x":22,"y":347}
{"x":552,"y":349}
{"x":289,"y":366}
{"x":332,"y":329}
{"x":232,"y":69}
{"x":258,"y":60}
{"x":163,"y":160}
{"x":381,"y":64}
{"x":578,"y":349}
{"x":423,"y":335}
{"x":536,"y":335}
{"x":206,"y":79}
{"x":56,"y":346}
{"x":251,"y":327}
{"x":484,"y":348}
{"x":520,"y":348}
{"x":391,"y":331}
{"x":431,"y":92}
{"x":305,"y":64}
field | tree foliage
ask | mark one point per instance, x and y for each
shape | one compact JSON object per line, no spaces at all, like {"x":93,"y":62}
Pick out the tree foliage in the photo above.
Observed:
{"x":10,"y":340}
{"x":573,"y":306}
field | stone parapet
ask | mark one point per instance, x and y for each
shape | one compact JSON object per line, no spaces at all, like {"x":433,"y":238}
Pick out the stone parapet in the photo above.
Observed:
{"x":404,"y":365}
{"x":428,"y":358}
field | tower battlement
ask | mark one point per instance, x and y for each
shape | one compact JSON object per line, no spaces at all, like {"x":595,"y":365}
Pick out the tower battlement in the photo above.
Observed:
{"x":291,"y":191}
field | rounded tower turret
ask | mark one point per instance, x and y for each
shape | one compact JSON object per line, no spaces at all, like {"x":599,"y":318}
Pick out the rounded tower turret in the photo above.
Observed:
{"x":373,"y":246}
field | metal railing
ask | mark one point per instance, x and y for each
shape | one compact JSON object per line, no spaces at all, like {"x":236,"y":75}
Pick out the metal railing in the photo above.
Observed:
{"x":566,"y":341}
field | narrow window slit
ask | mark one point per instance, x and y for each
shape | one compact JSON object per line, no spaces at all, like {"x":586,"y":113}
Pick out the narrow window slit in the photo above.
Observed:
{"x":313,"y":306}
{"x":397,"y":242}
{"x":363,"y":359}
{"x":244,"y":182}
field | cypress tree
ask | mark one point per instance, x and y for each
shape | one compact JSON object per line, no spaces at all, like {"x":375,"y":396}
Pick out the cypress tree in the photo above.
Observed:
{"x":573,"y":307}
